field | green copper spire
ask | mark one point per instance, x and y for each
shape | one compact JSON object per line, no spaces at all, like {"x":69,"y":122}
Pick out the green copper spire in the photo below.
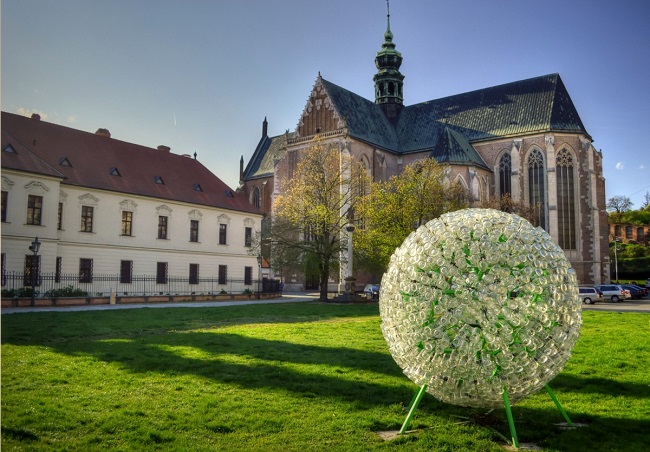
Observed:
{"x":388,"y":79}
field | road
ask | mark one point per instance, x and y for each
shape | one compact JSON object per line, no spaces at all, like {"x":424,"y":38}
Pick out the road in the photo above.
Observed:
{"x":629,"y":305}
{"x":642,"y":305}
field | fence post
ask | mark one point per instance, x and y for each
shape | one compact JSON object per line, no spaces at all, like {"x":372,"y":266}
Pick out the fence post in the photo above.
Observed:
{"x":113,"y":295}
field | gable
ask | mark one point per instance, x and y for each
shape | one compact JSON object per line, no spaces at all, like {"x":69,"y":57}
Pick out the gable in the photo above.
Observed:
{"x":320,"y":114}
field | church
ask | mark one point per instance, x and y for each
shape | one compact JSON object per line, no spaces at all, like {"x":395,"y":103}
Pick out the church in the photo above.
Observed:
{"x":524,"y":139}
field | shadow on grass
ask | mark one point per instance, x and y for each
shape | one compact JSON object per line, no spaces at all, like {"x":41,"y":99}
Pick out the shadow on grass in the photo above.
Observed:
{"x":603,"y":386}
{"x":335,"y":373}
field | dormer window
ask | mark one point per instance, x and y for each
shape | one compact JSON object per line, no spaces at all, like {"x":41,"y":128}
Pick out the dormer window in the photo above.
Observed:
{"x":10,"y":149}
{"x":115,"y":172}
{"x":65,"y":162}
{"x":197,"y":187}
{"x":159,"y":180}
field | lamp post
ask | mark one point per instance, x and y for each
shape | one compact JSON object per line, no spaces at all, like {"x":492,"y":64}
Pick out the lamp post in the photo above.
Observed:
{"x":35,"y":246}
{"x":259,"y":274}
{"x":616,"y":257}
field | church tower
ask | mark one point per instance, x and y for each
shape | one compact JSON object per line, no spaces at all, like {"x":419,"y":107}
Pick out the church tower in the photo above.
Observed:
{"x":388,"y":79}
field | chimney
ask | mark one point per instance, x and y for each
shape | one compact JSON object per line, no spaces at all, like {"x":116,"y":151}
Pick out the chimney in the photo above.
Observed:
{"x":241,"y":170}
{"x":36,"y":117}
{"x":103,"y":133}
{"x":265,"y":127}
{"x":164,"y":148}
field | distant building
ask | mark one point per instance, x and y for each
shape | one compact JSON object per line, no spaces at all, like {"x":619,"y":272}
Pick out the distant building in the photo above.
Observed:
{"x":523,"y":138}
{"x":630,"y":233}
{"x":102,"y":206}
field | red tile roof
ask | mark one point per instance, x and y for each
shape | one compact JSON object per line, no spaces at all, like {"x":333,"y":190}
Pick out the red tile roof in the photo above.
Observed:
{"x":41,"y":147}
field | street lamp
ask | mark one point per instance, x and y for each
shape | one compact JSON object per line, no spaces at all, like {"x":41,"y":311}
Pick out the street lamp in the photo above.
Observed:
{"x":259,"y":273}
{"x":35,"y":246}
{"x":616,"y":256}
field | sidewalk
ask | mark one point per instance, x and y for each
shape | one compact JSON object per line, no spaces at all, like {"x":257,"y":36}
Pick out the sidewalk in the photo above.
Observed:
{"x":291,"y":297}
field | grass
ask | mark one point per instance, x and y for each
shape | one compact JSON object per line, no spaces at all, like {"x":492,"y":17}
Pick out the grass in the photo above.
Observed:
{"x":287,"y":377}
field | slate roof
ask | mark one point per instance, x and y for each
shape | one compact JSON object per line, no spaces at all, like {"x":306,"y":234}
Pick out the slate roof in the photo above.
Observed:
{"x":536,"y":105}
{"x":268,"y":150}
{"x":41,"y":147}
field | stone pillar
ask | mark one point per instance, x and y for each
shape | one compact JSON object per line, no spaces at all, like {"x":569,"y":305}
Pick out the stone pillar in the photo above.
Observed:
{"x":515,"y":162}
{"x":551,"y":191}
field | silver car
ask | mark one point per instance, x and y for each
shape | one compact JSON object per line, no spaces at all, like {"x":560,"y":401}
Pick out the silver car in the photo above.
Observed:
{"x":613,"y":292}
{"x":589,"y":295}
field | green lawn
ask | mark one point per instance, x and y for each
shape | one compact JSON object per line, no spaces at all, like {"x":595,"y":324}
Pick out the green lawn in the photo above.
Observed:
{"x":291,"y":377}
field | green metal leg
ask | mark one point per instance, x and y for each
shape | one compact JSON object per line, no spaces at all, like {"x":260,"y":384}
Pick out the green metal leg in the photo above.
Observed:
{"x":414,"y":406}
{"x":511,"y":422}
{"x":559,"y":406}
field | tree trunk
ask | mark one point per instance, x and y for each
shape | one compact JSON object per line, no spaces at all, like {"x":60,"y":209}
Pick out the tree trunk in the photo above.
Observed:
{"x":324,"y":278}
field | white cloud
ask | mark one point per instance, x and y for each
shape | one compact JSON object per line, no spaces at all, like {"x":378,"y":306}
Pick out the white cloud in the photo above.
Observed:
{"x":29,"y":111}
{"x":641,"y":166}
{"x":620,"y":165}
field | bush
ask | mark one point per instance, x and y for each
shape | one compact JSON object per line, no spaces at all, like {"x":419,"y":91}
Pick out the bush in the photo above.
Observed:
{"x":23,"y":292}
{"x":68,"y":291}
{"x":247,"y":292}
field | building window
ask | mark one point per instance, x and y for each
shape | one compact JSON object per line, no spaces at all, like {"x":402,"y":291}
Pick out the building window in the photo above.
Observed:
{"x":617,"y":230}
{"x":640,"y":234}
{"x":87,"y":218}
{"x":194,"y":273}
{"x":59,"y":217}
{"x":223,"y":230}
{"x":628,"y":232}
{"x":256,"y":197}
{"x":85,"y":270}
{"x":5,"y":196}
{"x":4,"y":269}
{"x":505,"y":173}
{"x":127,"y":222}
{"x":32,"y":270}
{"x":57,"y":269}
{"x":126,"y":272}
{"x":248,"y":276}
{"x":162,"y":227}
{"x":248,"y":237}
{"x":223,"y":274}
{"x":194,"y":230}
{"x":34,"y":209}
{"x":566,"y":208}
{"x":537,"y":187}
{"x":161,"y":272}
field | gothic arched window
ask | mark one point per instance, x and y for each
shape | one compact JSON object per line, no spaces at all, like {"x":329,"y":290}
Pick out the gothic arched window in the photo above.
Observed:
{"x":505,"y":172}
{"x":537,"y":186}
{"x":566,"y":204}
{"x":256,"y":197}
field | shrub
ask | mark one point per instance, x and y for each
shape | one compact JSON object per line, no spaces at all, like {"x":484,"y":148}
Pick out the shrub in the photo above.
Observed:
{"x":68,"y":291}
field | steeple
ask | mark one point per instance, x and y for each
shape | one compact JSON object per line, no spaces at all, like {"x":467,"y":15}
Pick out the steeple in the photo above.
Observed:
{"x":388,"y":79}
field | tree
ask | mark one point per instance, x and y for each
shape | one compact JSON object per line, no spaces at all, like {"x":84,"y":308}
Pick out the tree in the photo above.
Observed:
{"x":312,"y":210}
{"x":394,"y":208}
{"x":646,"y":201}
{"x":619,"y":204}
{"x":506,"y":204}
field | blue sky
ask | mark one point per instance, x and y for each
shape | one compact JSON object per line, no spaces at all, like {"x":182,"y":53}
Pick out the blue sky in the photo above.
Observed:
{"x":201,"y":75}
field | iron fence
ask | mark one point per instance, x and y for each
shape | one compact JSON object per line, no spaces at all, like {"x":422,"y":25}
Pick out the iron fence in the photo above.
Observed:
{"x":62,"y":285}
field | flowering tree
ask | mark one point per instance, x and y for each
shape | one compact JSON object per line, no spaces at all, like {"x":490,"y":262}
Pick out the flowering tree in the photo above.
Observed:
{"x":311,"y":212}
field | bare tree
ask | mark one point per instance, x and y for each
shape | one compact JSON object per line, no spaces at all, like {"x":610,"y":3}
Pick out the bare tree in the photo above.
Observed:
{"x":619,"y":204}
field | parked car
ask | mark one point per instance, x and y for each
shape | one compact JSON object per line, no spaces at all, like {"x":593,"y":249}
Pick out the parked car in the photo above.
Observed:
{"x":635,"y":291}
{"x":371,"y":291}
{"x":613,"y":292}
{"x":589,"y":295}
{"x":647,"y":284}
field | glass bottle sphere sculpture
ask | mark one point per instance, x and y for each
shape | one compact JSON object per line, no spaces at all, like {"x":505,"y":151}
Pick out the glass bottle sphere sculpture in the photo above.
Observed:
{"x":479,"y":301}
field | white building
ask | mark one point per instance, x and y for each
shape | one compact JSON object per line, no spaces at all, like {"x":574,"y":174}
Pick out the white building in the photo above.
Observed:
{"x":102,"y":207}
